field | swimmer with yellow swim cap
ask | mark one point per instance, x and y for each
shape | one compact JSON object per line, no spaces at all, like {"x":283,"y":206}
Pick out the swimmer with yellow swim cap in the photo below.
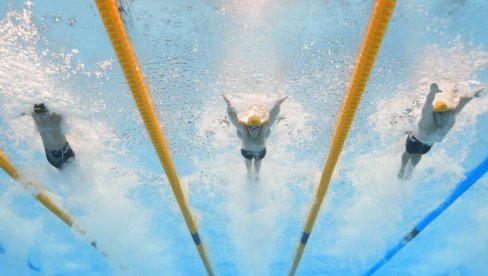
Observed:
{"x":253,"y":130}
{"x":440,"y":106}
{"x":437,"y":119}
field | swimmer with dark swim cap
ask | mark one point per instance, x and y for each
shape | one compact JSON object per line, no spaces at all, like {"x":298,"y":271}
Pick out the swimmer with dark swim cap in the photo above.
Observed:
{"x":57,"y":148}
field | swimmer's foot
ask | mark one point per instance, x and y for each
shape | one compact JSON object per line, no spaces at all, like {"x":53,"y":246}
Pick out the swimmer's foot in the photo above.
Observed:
{"x":249,"y":177}
{"x":408,"y":175}
{"x":401,"y":173}
{"x":408,"y":171}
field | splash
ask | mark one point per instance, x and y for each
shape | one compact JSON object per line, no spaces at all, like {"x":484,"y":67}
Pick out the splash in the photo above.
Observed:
{"x":254,"y":210}
{"x":446,"y":66}
{"x":98,"y":190}
{"x":380,"y":200}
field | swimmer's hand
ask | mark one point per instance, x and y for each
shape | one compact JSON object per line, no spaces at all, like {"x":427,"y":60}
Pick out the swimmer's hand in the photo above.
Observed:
{"x":281,"y":100}
{"x":473,"y":93}
{"x":478,"y":91}
{"x":434,"y":88}
{"x":226,"y":99}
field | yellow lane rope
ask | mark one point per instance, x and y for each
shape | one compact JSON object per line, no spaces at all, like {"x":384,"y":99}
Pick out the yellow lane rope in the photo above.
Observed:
{"x":41,"y":195}
{"x":127,"y":59}
{"x":372,"y":41}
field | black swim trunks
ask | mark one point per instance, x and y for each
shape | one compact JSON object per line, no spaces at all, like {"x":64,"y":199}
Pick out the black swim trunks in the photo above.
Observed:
{"x":257,"y":155}
{"x":414,"y":146}
{"x":58,"y":158}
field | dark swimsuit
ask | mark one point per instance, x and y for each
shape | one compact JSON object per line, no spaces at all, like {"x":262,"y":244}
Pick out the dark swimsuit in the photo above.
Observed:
{"x":414,"y":146}
{"x":257,"y":155}
{"x":58,"y":158}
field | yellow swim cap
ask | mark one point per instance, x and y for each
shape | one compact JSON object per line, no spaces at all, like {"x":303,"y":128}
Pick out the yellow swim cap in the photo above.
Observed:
{"x":254,"y":120}
{"x":440,"y":106}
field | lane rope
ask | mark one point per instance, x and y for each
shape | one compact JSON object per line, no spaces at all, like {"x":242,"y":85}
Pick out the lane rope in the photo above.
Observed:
{"x":372,"y":41}
{"x":128,"y":62}
{"x":42,"y":196}
{"x":471,"y":178}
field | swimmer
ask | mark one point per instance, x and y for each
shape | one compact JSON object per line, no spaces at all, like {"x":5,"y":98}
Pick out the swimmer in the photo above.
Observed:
{"x":435,"y":122}
{"x":253,"y":131}
{"x":58,"y":151}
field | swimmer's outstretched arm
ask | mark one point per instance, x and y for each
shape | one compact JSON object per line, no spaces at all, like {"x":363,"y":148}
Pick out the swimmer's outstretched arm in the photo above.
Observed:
{"x":467,"y":98}
{"x":231,"y":111}
{"x":54,"y":119}
{"x":275,"y":111}
{"x":427,"y":109}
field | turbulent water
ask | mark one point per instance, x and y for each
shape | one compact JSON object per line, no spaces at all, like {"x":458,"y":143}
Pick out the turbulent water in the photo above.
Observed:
{"x":191,"y":52}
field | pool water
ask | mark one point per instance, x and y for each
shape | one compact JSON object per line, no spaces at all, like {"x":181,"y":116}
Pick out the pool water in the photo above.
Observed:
{"x":191,"y":52}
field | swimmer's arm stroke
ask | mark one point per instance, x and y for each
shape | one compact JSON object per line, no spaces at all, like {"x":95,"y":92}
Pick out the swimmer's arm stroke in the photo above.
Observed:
{"x":56,"y":118}
{"x":427,"y":109}
{"x":232,"y":113}
{"x":275,"y":111}
{"x":467,"y":98}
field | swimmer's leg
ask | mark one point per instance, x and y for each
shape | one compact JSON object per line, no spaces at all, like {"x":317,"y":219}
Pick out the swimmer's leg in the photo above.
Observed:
{"x":405,"y":158}
{"x":415,"y":159}
{"x":257,"y":167}
{"x":249,"y":168}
